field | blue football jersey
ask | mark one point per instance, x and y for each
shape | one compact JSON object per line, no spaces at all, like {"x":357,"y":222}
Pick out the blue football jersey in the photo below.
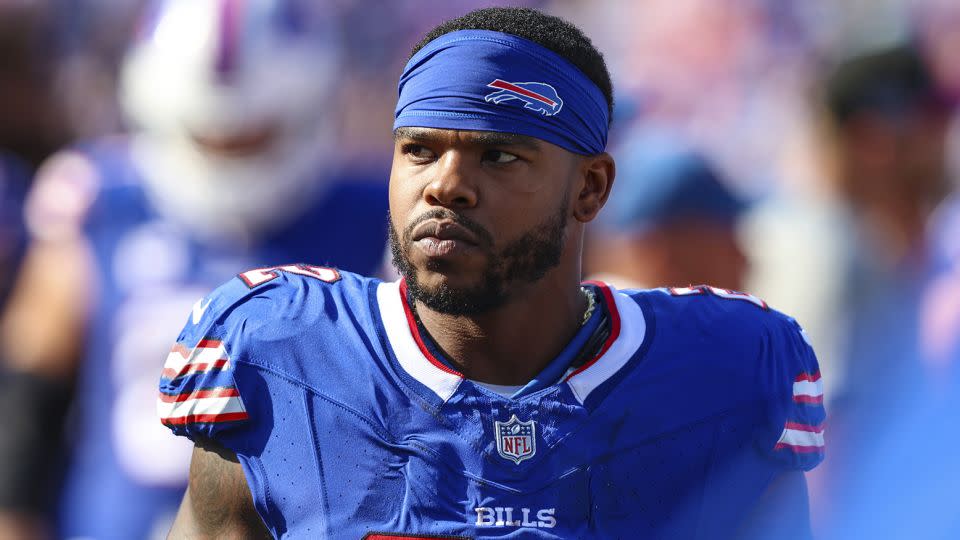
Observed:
{"x":348,"y":425}
{"x":149,"y":270}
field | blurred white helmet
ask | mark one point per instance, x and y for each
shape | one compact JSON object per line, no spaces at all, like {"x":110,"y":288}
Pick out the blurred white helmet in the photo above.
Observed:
{"x":229,"y":100}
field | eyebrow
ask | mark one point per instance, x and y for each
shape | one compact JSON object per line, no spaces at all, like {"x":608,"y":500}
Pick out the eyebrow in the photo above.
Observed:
{"x":483,"y":138}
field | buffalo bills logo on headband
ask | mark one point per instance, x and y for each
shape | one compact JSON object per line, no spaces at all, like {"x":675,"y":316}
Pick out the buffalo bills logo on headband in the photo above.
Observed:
{"x":536,"y":96}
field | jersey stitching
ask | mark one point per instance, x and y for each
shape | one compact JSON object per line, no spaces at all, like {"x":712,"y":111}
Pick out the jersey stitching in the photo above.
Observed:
{"x":267,"y":498}
{"x":391,"y":358}
{"x":296,"y":382}
{"x":610,"y":385}
{"x":318,"y":463}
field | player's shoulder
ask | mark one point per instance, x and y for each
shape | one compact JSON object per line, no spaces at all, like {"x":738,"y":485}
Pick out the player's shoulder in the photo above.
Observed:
{"x":263,"y":320}
{"x":713,"y":311}
{"x":734,"y":336}
{"x":281,"y":305}
{"x":284,"y":298}
{"x":762,"y":358}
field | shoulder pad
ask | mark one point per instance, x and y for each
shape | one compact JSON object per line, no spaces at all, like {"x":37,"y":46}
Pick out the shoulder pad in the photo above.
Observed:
{"x":220,"y":344}
{"x":198,"y":392}
{"x":769,"y":357}
{"x":199,"y":395}
{"x":794,"y":437}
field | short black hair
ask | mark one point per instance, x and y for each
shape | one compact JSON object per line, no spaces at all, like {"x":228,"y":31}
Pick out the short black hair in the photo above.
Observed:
{"x":547,"y":31}
{"x":890,"y":82}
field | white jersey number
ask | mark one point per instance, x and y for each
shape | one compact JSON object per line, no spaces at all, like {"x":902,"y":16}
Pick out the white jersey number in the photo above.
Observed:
{"x":258,"y":276}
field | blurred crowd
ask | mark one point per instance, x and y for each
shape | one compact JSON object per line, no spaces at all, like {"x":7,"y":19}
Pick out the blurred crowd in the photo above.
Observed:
{"x":806,"y":151}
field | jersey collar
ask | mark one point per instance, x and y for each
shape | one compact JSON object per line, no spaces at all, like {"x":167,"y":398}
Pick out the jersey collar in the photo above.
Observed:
{"x":628,"y":329}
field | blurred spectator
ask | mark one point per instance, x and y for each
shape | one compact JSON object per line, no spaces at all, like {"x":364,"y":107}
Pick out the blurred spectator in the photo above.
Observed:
{"x":670,"y":221}
{"x":889,"y":129}
{"x":888,"y":124}
{"x":232,"y":166}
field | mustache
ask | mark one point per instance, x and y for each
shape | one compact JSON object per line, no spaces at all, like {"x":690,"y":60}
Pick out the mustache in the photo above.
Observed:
{"x":482,"y":234}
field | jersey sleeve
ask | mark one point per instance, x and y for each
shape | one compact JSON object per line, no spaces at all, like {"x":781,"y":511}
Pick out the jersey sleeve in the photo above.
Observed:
{"x":199,"y":395}
{"x":793,"y":436}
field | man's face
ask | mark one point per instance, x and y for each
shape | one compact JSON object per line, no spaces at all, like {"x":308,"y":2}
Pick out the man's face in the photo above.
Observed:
{"x":476,"y":215}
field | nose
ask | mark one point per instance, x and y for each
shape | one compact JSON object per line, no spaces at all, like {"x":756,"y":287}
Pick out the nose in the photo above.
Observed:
{"x":451,"y":187}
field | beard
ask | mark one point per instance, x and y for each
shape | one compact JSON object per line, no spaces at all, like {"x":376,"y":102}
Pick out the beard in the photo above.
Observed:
{"x":524,"y":260}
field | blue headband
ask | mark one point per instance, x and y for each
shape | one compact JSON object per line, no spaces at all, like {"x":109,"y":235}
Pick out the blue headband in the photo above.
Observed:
{"x":490,"y":81}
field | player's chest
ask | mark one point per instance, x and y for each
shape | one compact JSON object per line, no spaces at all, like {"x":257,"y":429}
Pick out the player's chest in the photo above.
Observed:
{"x":601,"y":478}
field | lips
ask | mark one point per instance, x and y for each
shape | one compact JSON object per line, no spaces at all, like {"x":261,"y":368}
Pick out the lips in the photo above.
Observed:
{"x":443,"y":239}
{"x":444,"y":230}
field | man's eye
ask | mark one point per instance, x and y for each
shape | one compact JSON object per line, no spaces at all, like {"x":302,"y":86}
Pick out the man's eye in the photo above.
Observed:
{"x":417,"y":151}
{"x":499,"y":156}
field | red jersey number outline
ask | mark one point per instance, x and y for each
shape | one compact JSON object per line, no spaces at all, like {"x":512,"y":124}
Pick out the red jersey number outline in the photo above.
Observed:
{"x":399,"y":536}
{"x":717,"y":291}
{"x":258,"y":276}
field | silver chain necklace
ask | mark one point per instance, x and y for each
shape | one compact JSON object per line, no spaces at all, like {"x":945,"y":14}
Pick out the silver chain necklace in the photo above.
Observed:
{"x":591,"y":304}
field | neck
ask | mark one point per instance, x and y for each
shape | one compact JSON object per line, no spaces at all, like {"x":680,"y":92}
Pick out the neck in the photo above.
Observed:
{"x":511,"y":344}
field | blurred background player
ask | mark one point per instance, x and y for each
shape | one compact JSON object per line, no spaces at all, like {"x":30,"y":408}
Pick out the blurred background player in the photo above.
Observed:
{"x":887,"y":128}
{"x":230,"y":166}
{"x":671,"y":220}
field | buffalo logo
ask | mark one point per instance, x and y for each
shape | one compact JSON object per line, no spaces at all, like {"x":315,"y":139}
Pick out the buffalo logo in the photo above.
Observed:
{"x":539,"y":97}
{"x":516,"y":440}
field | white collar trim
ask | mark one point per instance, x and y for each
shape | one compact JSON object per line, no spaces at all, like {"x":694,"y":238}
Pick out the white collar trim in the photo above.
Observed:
{"x":444,"y":382}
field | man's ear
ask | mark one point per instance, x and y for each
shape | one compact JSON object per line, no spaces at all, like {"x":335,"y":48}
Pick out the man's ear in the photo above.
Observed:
{"x":596,"y":176}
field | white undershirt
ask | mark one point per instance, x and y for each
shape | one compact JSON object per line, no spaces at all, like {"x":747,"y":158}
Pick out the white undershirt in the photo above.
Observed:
{"x":502,"y":389}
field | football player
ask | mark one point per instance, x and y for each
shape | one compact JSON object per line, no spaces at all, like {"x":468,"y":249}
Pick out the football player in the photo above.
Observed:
{"x":489,"y":393}
{"x":228,"y":167}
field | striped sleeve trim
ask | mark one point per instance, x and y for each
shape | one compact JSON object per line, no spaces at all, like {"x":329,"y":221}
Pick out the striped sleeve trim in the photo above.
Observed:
{"x":205,"y":409}
{"x":808,"y":388}
{"x":196,"y":386}
{"x":208,"y":355}
{"x":801,"y":438}
{"x":207,"y":393}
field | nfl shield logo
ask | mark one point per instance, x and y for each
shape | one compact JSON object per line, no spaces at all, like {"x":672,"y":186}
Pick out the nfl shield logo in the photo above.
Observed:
{"x":516,"y":440}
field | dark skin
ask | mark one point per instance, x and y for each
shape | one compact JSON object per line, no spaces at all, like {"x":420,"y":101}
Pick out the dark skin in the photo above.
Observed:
{"x":217,"y":503}
{"x":507,"y":184}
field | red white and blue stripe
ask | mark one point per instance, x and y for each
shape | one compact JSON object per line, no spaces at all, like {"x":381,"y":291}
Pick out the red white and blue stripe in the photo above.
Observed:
{"x":804,"y":433}
{"x":808,"y":388}
{"x":196,"y":386}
